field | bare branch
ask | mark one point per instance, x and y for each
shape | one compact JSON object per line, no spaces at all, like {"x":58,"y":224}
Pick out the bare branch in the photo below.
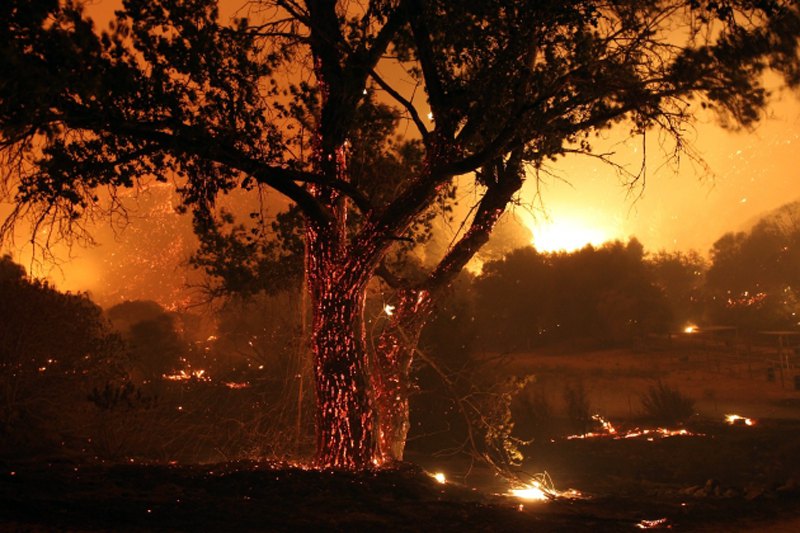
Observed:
{"x":407,"y":105}
{"x":422,"y":38}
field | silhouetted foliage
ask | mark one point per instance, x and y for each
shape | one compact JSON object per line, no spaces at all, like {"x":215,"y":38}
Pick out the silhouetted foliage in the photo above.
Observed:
{"x":530,"y":298}
{"x":754,"y":278}
{"x":154,"y":345}
{"x":54,"y":347}
{"x":124,"y":396}
{"x":244,"y":260}
{"x":128,"y":313}
{"x":681,"y":278}
{"x":41,"y":327}
{"x":666,"y":404}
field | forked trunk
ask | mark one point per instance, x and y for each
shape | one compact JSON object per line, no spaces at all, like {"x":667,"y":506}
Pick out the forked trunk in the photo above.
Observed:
{"x":390,"y":375}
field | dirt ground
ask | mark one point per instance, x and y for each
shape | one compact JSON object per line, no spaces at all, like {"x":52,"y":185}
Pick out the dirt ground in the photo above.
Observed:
{"x":715,"y":477}
{"x":721,"y":379}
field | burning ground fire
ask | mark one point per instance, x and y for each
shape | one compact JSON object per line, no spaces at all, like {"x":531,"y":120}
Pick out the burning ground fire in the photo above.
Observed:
{"x":734,"y":420}
{"x":200,"y":375}
{"x":607,"y":430}
{"x":539,"y":489}
{"x":187,"y":375}
{"x":533,"y":492}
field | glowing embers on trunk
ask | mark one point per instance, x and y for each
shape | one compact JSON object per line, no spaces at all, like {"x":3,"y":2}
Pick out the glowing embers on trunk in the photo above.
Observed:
{"x":344,"y":413}
{"x":737,"y":420}
{"x":607,"y":430}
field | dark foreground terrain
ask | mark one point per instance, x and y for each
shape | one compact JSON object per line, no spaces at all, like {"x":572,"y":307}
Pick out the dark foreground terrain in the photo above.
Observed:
{"x":727,"y":479}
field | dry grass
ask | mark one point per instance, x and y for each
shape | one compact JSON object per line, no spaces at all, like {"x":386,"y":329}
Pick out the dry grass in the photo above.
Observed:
{"x":615,"y":380}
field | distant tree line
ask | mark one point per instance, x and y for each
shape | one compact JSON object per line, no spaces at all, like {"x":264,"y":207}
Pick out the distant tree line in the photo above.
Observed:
{"x":616,"y":293}
{"x":754,"y":278}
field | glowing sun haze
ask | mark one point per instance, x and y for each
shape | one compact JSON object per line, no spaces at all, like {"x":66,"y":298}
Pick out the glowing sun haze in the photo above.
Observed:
{"x":679,"y":205}
{"x":569,"y":230}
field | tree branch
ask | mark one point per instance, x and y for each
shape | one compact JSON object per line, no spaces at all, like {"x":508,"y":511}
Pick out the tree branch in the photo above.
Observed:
{"x":192,"y":143}
{"x":509,"y":179}
{"x":409,"y":107}
{"x":426,"y":56}
{"x":369,"y":57}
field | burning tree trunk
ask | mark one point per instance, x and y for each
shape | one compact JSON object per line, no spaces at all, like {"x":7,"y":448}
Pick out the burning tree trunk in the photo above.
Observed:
{"x":398,"y":341}
{"x":345,"y":436}
{"x":344,"y":413}
{"x":392,"y":364}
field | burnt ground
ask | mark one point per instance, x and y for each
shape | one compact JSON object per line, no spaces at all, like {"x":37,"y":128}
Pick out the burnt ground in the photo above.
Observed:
{"x":718,"y":478}
{"x":727,"y":479}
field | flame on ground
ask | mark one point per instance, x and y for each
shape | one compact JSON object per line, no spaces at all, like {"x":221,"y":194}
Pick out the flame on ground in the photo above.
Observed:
{"x":237,"y":385}
{"x":200,"y":375}
{"x":541,"y":488}
{"x":532,"y":492}
{"x":737,"y":419}
{"x":186,"y":375}
{"x":654,"y":524}
{"x":607,"y":430}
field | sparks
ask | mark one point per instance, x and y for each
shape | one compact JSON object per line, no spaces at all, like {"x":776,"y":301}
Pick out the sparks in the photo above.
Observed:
{"x":691,"y":328}
{"x":541,"y":488}
{"x":388,"y":309}
{"x":440,"y":477}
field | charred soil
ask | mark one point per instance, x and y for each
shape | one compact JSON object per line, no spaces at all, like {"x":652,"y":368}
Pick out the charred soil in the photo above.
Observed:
{"x":728,"y":479}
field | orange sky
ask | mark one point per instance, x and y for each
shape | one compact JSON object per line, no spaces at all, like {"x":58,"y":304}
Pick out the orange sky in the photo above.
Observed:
{"x":749,"y":173}
{"x":753,"y":172}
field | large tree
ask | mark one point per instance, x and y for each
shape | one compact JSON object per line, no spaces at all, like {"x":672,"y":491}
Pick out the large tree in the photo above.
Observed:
{"x":492,"y":88}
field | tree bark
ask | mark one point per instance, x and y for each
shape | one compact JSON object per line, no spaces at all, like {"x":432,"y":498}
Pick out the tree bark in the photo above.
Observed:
{"x":344,"y":414}
{"x":390,"y":376}
{"x":398,"y":341}
{"x":345,"y":435}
